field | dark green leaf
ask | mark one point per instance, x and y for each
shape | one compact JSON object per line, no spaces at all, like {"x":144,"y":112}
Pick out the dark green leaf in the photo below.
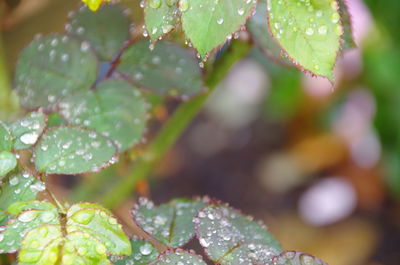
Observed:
{"x":169,"y":223}
{"x":115,"y":109}
{"x":6,"y":141}
{"x":18,"y":188}
{"x":161,"y":16}
{"x":98,"y":222}
{"x":179,"y":257}
{"x":28,"y":129}
{"x":347,"y":38}
{"x":308,"y":31}
{"x":222,"y":230}
{"x":69,"y":150}
{"x":258,"y":28}
{"x":143,"y":253}
{"x":168,"y":69}
{"x":296,"y":258}
{"x":53,"y":67}
{"x":8,"y":162}
{"x":209,"y":23}
{"x":106,"y":30}
{"x":29,"y":216}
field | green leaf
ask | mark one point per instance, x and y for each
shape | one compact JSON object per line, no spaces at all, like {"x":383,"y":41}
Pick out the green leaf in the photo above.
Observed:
{"x":296,"y":258}
{"x":82,"y":248}
{"x":69,"y":150}
{"x":99,"y":223}
{"x":309,"y":32}
{"x":347,"y":38}
{"x":115,"y":109}
{"x":222,"y":230}
{"x":210,"y":23}
{"x":168,"y":69}
{"x":6,"y":141}
{"x":106,"y":30}
{"x":177,"y":258}
{"x":19,"y":187}
{"x":41,"y":246}
{"x":53,"y":67}
{"x":169,"y":223}
{"x":29,"y":216}
{"x":143,"y":253}
{"x":258,"y":28}
{"x":28,"y":129}
{"x":160,"y":16}
{"x":8,"y":162}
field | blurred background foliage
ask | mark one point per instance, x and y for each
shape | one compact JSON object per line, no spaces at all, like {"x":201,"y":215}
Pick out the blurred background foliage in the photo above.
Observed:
{"x":320,"y":165}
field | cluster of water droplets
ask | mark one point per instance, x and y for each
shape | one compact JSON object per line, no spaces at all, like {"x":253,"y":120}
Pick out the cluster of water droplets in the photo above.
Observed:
{"x":28,"y":129}
{"x":65,"y":149}
{"x":179,"y":257}
{"x":292,"y":257}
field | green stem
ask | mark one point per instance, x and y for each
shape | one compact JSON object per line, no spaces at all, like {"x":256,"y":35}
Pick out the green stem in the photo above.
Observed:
{"x":174,"y":128}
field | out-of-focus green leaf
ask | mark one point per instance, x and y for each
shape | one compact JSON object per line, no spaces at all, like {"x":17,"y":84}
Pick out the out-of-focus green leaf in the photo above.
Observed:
{"x":143,"y":253}
{"x":161,"y":16}
{"x":28,"y":130}
{"x":70,"y":150}
{"x":53,"y":67}
{"x":115,"y":109}
{"x":209,"y":23}
{"x":309,"y":32}
{"x":221,"y":230}
{"x":168,"y":69}
{"x":98,"y":222}
{"x":106,"y":30}
{"x":347,"y":38}
{"x":169,"y":223}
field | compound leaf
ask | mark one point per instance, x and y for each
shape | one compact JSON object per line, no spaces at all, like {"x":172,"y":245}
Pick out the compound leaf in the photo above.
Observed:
{"x":143,"y":253}
{"x":222,"y":230}
{"x":160,"y":16}
{"x":106,"y":30}
{"x":178,"y":257}
{"x":295,"y":258}
{"x":70,"y":150}
{"x":168,"y":69}
{"x":209,"y":23}
{"x":309,"y":31}
{"x":28,"y":129}
{"x":54,"y":66}
{"x":99,"y":223}
{"x":115,"y":109}
{"x":169,"y":223}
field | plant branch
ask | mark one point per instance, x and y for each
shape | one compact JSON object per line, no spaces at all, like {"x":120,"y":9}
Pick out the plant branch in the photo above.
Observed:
{"x":174,"y":128}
